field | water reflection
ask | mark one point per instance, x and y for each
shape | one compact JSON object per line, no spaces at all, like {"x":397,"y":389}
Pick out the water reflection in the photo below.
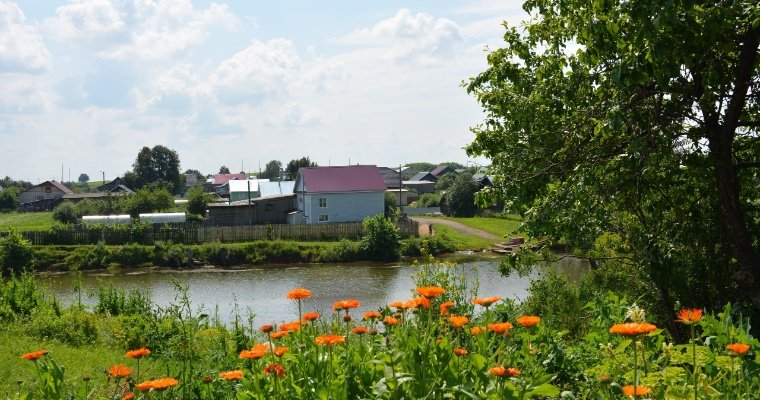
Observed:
{"x":262,"y":290}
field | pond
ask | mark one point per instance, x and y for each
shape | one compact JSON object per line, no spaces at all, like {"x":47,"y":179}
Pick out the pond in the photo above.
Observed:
{"x":262,"y":289}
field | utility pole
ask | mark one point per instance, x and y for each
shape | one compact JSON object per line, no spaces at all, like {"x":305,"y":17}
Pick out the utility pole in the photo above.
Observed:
{"x":400,"y":204}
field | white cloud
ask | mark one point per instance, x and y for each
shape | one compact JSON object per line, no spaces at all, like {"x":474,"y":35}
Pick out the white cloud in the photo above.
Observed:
{"x":87,"y":21}
{"x":22,"y":93}
{"x":21,"y":46}
{"x":408,"y":36}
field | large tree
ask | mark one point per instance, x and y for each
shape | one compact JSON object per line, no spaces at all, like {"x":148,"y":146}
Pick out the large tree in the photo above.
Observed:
{"x":159,"y":165}
{"x":636,"y":120}
{"x":272,"y":171}
{"x":292,"y":169}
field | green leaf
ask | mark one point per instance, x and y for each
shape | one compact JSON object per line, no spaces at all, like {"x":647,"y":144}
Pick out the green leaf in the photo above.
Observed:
{"x":547,"y":389}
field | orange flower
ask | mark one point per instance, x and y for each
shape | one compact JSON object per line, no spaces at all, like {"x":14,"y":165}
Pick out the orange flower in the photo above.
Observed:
{"x":291,"y":326}
{"x":444,"y":308}
{"x":640,"y":391}
{"x":430,"y":291}
{"x":458,"y":321}
{"x":398,"y":304}
{"x":632,"y":329}
{"x":330,"y":340}
{"x":164,"y":383}
{"x":738,"y":348}
{"x":128,"y":396}
{"x":360,"y":330}
{"x":501,"y":328}
{"x":139,"y":353}
{"x":310,"y":316}
{"x":235,"y":375}
{"x":258,"y":351}
{"x":346,"y":304}
{"x":486,"y":301}
{"x":390,"y":321}
{"x":528,"y":321}
{"x":299,"y":293}
{"x":277,"y":335}
{"x":276,"y":369}
{"x":418,"y":302}
{"x":501,"y":371}
{"x":119,"y":371}
{"x":35,"y":355}
{"x":372,"y":315}
{"x":476,"y":330}
{"x":280,"y":351}
{"x":460,"y":352}
{"x":145,"y":386}
{"x":689,"y":316}
{"x":267,"y":328}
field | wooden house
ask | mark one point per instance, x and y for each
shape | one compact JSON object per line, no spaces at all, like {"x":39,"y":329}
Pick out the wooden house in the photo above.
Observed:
{"x":44,"y":196}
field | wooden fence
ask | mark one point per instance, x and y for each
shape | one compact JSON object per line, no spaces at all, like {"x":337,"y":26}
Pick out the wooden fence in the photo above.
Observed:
{"x":193,"y":233}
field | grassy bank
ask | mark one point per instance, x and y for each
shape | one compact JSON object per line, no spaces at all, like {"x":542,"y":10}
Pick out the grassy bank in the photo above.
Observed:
{"x":26,"y":221}
{"x":497,"y":226}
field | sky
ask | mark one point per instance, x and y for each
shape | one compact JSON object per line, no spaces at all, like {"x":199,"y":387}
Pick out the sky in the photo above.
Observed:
{"x":85,"y":84}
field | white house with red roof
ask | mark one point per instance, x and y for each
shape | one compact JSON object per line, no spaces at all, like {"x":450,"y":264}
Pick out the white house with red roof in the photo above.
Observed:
{"x":48,"y":191}
{"x":338,"y":194}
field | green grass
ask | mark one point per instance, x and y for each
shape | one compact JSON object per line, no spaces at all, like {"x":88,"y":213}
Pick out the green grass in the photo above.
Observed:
{"x":461,"y":240}
{"x":26,"y":221}
{"x":496,"y":226}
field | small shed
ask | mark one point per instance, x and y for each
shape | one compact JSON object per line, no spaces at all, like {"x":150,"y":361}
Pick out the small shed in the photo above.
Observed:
{"x":258,"y":211}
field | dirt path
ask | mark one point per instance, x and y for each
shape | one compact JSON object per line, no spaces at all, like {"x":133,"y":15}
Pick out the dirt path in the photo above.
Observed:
{"x":456,"y":225}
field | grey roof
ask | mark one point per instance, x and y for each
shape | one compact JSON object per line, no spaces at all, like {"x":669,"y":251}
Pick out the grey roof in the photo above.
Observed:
{"x":424,"y":176}
{"x":276,"y":188}
{"x":390,"y":176}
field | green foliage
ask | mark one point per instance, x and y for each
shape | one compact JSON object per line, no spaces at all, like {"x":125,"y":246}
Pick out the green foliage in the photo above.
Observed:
{"x":113,"y":301}
{"x":445,"y":182}
{"x":157,"y":164}
{"x":272,"y":171}
{"x":620,"y":135}
{"x":83,"y":178}
{"x":65,"y":213}
{"x":146,"y":201}
{"x":197,"y":199}
{"x":381,"y":239}
{"x":224,"y":170}
{"x":414,"y":247}
{"x":293,"y":165}
{"x":19,"y":297}
{"x":8,"y":199}
{"x":391,"y":204}
{"x":429,"y":200}
{"x":421,"y":166}
{"x":15,"y":253}
{"x":460,"y":198}
{"x":74,"y":326}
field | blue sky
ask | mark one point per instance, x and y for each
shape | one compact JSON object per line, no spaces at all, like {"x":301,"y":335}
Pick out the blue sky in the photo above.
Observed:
{"x":87,"y":83}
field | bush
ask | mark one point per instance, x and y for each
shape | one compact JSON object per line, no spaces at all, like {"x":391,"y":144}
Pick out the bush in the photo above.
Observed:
{"x":8,"y":199}
{"x":381,"y":239}
{"x":65,"y":213}
{"x":429,"y":200}
{"x":15,"y":253}
{"x":460,"y":198}
{"x":197,"y":201}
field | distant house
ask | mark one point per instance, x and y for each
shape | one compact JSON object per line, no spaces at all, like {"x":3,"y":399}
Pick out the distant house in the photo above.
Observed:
{"x":44,"y":196}
{"x":220,"y":179}
{"x":240,"y":189}
{"x":407,"y":173}
{"x":420,"y":186}
{"x":338,"y":194}
{"x":405,"y":196}
{"x":483,"y":179}
{"x":424,"y":176}
{"x":107,"y":187}
{"x":390,"y":177}
{"x":441,"y":170}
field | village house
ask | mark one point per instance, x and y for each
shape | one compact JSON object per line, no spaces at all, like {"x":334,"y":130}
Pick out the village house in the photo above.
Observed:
{"x":441,"y":170}
{"x":338,"y":194}
{"x":44,"y":196}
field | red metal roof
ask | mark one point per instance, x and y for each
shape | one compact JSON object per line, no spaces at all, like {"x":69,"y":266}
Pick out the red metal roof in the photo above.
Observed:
{"x":221,"y":179}
{"x":348,"y":178}
{"x":60,"y":187}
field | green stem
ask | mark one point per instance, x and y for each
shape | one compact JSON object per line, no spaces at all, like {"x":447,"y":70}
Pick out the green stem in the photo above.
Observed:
{"x":694,"y":359}
{"x":635,"y":369}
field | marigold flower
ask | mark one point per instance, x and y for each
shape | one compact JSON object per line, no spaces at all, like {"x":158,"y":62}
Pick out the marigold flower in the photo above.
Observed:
{"x":486,"y":301}
{"x":476,"y":330}
{"x":500,"y":327}
{"x":299,"y":294}
{"x":291,"y":326}
{"x":430,"y":291}
{"x":258,"y":351}
{"x":346,"y":318}
{"x":460,"y":352}
{"x":418,"y":302}
{"x":346,"y":304}
{"x":633,"y":329}
{"x":310,"y":316}
{"x":267,"y":328}
{"x":277,"y":335}
{"x":128,"y":396}
{"x":280,"y":351}
{"x":372,"y":315}
{"x":164,"y":383}
{"x":502,"y":371}
{"x":276,"y":369}
{"x":235,"y":375}
{"x":139,"y":353}
{"x":444,"y":307}
{"x":458,"y":321}
{"x":398,"y":304}
{"x":528,"y":321}
{"x":35,"y":355}
{"x":360,"y":330}
{"x":738,"y":348}
{"x":119,"y":371}
{"x":640,"y":391}
{"x":144,"y":386}
{"x":689,"y":316}
{"x":330,"y":340}
{"x":390,"y":321}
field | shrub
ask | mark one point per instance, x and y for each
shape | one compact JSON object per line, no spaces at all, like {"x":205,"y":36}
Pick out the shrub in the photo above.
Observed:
{"x":381,"y":239}
{"x":65,"y":213}
{"x":460,"y":198}
{"x":15,"y":253}
{"x":197,"y":201}
{"x":429,"y":200}
{"x":8,"y":199}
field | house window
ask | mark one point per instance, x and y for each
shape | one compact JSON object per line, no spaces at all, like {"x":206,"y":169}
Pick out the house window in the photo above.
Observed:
{"x":48,"y":189}
{"x":324,"y":218}
{"x":322,"y":202}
